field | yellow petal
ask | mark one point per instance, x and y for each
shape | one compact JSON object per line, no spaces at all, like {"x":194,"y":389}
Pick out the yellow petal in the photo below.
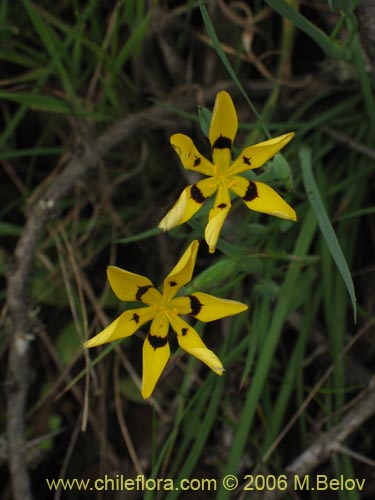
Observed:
{"x":181,"y":273}
{"x":262,"y":198}
{"x":207,"y":307}
{"x":189,"y":202}
{"x":217,"y":217}
{"x":123,"y":326}
{"x":190,"y":157}
{"x":223,"y":130}
{"x":191,"y":342}
{"x":257,"y":155}
{"x":131,"y":286}
{"x":156,"y":353}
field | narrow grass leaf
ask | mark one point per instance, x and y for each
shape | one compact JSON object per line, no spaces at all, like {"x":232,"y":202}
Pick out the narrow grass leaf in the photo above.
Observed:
{"x":358,"y":213}
{"x":7,"y":229}
{"x":42,"y":103}
{"x":198,"y":402}
{"x":70,"y":33}
{"x":292,"y":373}
{"x":141,"y":236}
{"x":330,"y":47}
{"x":365,"y":82}
{"x":267,"y":355}
{"x":8,"y":155}
{"x":220,"y":52}
{"x":342,"y":4}
{"x":12,"y":125}
{"x":133,"y":43}
{"x":16,"y":57}
{"x":325,"y":224}
{"x":202,"y":434}
{"x":50,"y":41}
{"x":93,"y":362}
{"x":205,"y":116}
{"x":37,"y":101}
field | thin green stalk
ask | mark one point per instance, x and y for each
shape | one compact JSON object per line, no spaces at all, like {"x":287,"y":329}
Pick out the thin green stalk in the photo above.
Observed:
{"x":220,"y":52}
{"x":325,"y":224}
{"x":330,"y":47}
{"x":287,"y":38}
{"x":267,"y":355}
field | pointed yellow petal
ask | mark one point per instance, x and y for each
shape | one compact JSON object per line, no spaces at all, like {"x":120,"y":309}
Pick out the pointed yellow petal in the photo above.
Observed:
{"x":124,"y":326}
{"x":180,"y":212}
{"x":262,"y":198}
{"x":181,"y":273}
{"x":224,"y":121}
{"x":106,"y":335}
{"x":217,"y":217}
{"x":190,"y":157}
{"x":156,"y":353}
{"x":191,"y":342}
{"x":207,"y":307}
{"x":189,"y":202}
{"x":213,"y":228}
{"x":257,"y":155}
{"x":223,"y":130}
{"x":131,"y":286}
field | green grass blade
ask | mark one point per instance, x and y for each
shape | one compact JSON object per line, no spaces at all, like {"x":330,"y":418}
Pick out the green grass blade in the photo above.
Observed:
{"x":140,"y":236}
{"x":133,"y":43}
{"x":342,"y":4}
{"x":220,"y":52}
{"x":37,"y":101}
{"x":202,"y":434}
{"x":330,"y":47}
{"x":325,"y":224}
{"x":30,"y":152}
{"x":9,"y":229}
{"x":292,"y":374}
{"x":93,"y":362}
{"x":16,"y":58}
{"x":365,"y":82}
{"x":267,"y":355}
{"x":12,"y":125}
{"x":51,"y":43}
{"x":198,"y":402}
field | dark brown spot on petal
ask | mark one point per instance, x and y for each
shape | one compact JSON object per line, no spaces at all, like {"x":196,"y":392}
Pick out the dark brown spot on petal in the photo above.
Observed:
{"x":184,"y":331}
{"x":222,"y":205}
{"x":157,"y":342}
{"x":196,"y":194}
{"x":222,"y":143}
{"x":173,"y":283}
{"x":246,"y":160}
{"x":251,"y":192}
{"x":197,"y":161}
{"x":195,"y":305}
{"x":141,"y":291}
{"x":135,"y":317}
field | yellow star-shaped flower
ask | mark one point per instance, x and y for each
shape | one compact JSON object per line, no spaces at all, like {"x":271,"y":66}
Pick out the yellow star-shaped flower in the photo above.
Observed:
{"x":164,"y":310}
{"x":223,"y":175}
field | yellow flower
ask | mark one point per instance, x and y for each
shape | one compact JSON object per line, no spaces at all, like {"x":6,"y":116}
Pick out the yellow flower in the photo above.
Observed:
{"x":223,"y":175}
{"x":164,"y":310}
